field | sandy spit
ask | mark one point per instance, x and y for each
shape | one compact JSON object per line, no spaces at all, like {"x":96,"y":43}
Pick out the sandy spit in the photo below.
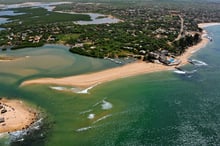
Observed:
{"x":133,"y":69}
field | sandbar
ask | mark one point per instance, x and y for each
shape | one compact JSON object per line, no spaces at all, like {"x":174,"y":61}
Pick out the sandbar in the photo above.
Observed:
{"x":15,"y":115}
{"x":132,"y":69}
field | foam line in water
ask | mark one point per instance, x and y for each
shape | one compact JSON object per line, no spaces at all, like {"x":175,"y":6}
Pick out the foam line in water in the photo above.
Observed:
{"x":84,"y":129}
{"x":86,"y":91}
{"x":180,"y":72}
{"x":97,"y":103}
{"x":58,"y":88}
{"x":75,"y":90}
{"x":198,"y":62}
{"x":102,"y":118}
{"x":87,"y":111}
{"x":184,"y":72}
{"x":191,"y":72}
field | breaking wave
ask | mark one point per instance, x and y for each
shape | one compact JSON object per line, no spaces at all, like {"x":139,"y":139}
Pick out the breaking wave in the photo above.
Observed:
{"x":104,"y":104}
{"x":198,"y":62}
{"x":74,"y":90}
{"x":87,"y":111}
{"x":84,"y":129}
{"x":20,"y":135}
{"x":102,"y":118}
{"x":185,"y":72}
{"x":180,"y":72}
{"x":86,"y":91}
{"x":58,"y":88}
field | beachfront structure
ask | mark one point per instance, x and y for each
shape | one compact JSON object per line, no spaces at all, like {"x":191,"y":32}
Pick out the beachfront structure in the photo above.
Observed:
{"x":162,"y":58}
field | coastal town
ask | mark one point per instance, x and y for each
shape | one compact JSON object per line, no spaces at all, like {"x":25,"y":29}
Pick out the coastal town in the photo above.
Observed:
{"x":151,"y":32}
{"x":109,"y":73}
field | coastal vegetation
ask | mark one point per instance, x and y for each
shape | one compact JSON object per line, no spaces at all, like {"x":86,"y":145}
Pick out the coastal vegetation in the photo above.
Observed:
{"x":145,"y":28}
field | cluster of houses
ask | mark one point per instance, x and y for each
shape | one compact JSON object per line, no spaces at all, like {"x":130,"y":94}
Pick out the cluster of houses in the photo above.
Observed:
{"x":163,"y":57}
{"x":22,"y":37}
{"x":34,"y":35}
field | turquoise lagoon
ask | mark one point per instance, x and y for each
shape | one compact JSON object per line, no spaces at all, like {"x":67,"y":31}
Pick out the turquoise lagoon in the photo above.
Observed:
{"x":162,"y":108}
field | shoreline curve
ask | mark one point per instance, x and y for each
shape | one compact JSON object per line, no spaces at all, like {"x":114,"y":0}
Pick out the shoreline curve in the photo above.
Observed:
{"x":132,"y":69}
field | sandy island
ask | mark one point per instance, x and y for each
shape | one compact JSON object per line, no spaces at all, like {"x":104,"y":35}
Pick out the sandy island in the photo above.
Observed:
{"x":15,"y":115}
{"x":7,"y":58}
{"x":4,"y":58}
{"x":136,"y":68}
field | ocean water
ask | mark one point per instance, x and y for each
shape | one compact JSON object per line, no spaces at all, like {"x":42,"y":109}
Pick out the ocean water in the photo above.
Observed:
{"x":164,"y":108}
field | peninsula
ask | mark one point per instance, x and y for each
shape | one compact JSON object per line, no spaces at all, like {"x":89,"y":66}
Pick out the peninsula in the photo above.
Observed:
{"x":160,"y":40}
{"x":136,"y":68}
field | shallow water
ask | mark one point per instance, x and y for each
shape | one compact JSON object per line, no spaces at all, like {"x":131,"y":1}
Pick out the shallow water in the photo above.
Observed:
{"x":96,"y":20}
{"x":154,"y":109}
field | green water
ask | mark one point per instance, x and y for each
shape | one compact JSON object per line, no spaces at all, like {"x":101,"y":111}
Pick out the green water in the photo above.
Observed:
{"x":154,"y":109}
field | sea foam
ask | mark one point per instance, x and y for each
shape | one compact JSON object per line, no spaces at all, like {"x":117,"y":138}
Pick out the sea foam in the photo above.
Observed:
{"x":179,"y":72}
{"x":102,"y":118}
{"x":87,"y":111}
{"x":106,"y":105}
{"x":199,"y":63}
{"x":58,"y":88}
{"x":74,"y":90}
{"x":19,"y":135}
{"x":84,"y":129}
{"x":86,"y":91}
{"x":185,"y":72}
{"x":91,"y":116}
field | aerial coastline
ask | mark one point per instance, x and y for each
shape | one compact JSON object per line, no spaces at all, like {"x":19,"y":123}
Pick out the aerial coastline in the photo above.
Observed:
{"x":139,"y":72}
{"x":132,"y":69}
{"x":15,"y":115}
{"x":203,"y":25}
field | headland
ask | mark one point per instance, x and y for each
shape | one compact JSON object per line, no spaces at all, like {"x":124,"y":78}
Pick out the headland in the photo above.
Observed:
{"x":133,"y":69}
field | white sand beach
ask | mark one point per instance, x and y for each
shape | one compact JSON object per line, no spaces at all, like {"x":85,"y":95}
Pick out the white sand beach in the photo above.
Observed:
{"x":15,"y":115}
{"x":133,"y":69}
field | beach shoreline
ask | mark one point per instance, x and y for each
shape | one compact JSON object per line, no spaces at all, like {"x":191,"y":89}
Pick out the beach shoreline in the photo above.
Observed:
{"x":132,"y":69}
{"x":15,"y":115}
{"x":204,"y":25}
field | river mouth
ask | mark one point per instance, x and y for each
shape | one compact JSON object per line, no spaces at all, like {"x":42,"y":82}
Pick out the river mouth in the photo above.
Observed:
{"x":130,"y":108}
{"x":156,"y":109}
